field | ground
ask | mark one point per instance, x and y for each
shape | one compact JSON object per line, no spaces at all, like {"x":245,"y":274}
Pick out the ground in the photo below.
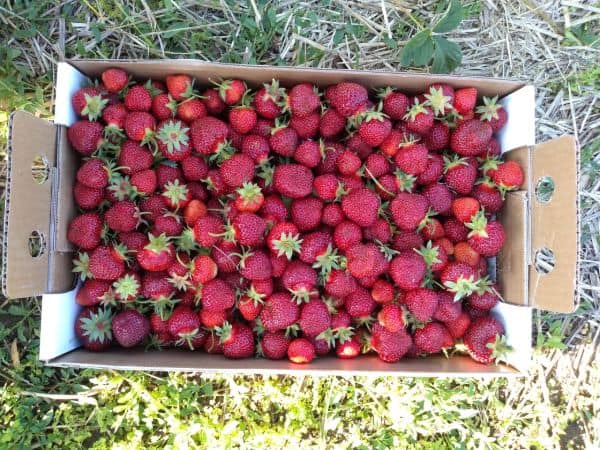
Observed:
{"x":548,"y":43}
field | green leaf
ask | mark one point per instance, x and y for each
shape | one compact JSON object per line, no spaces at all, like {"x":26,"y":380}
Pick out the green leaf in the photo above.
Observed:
{"x":454,"y":16}
{"x":446,"y":56}
{"x":418,"y":50}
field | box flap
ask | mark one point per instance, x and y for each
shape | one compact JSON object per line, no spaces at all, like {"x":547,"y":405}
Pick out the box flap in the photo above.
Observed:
{"x":554,"y":225}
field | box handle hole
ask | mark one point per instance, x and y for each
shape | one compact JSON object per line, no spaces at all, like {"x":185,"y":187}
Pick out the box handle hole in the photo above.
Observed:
{"x":36,"y":244}
{"x":544,"y":189}
{"x":40,"y":169}
{"x":544,"y":260}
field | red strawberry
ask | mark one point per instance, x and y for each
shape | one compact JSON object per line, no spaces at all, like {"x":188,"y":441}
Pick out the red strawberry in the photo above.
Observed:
{"x":242,"y":119}
{"x":279,"y":263}
{"x":194,"y":168}
{"x":391,"y":317}
{"x":122,"y":216}
{"x":248,"y":198}
{"x":455,"y":230}
{"x":464,"y":208}
{"x":140,"y":126}
{"x":208,"y":134}
{"x":493,"y":113}
{"x":439,"y":197}
{"x":360,"y":305}
{"x":347,"y":235}
{"x":308,"y":153}
{"x":306,"y":127}
{"x":348,"y":349}
{"x":176,"y":194}
{"x":226,"y":255}
{"x":94,"y":173}
{"x":300,"y":280}
{"x":207,"y":230}
{"x":314,"y":245}
{"x":153,"y":206}
{"x":130,"y":328}
{"x":212,"y":344}
{"x":382,"y":291}
{"x":459,"y":326}
{"x":464,"y":253}
{"x":332,"y":214}
{"x":127,"y":287}
{"x":486,"y":236}
{"x":395,"y":103}
{"x":191,"y":109}
{"x":422,"y":303}
{"x":293,"y":180}
{"x":279,"y":312}
{"x":314,"y":318}
{"x":138,"y":98}
{"x":134,"y":158}
{"x":306,"y":213}
{"x":347,"y":97}
{"x":302,"y":100}
{"x":408,"y":270}
{"x":212,"y":101}
{"x":340,"y":283}
{"x":85,"y":231}
{"x":93,"y":292}
{"x":157,"y":255}
{"x":133,"y":240}
{"x":237,"y":340}
{"x":470,"y":137}
{"x":438,"y":137}
{"x":256,"y":147}
{"x":255,"y":265}
{"x":93,"y":328}
{"x":374,"y":128}
{"x":164,"y":106}
{"x":448,"y":310}
{"x":283,"y":140}
{"x":106,"y":263}
{"x":284,"y":239}
{"x":459,"y":175}
{"x":274,"y":345}
{"x":508,"y":176}
{"x":465,"y":99}
{"x":485,"y":300}
{"x":211,"y":319}
{"x":217,"y":295}
{"x":488,"y":196}
{"x":114,"y":116}
{"x":246,"y":229}
{"x":433,"y":338}
{"x":267,"y":100}
{"x":361,"y":206}
{"x":419,"y":118}
{"x":184,"y":325}
{"x":331,"y":151}
{"x":332,"y":123}
{"x":485,"y":340}
{"x":179,"y":86}
{"x":85,"y":136}
{"x":460,"y":279}
{"x":408,"y":210}
{"x":274,"y":210}
{"x":173,"y":140}
{"x":390,"y":347}
{"x":301,"y":351}
{"x":114,"y":79}
{"x":203,"y":269}
{"x":439,"y":98}
{"x":328,"y":187}
{"x":348,"y":163}
{"x":377,"y":165}
{"x":87,"y":102}
{"x":237,"y":170}
{"x":365,"y":260}
{"x":412,"y":159}
{"x":250,"y":306}
{"x":231,"y":91}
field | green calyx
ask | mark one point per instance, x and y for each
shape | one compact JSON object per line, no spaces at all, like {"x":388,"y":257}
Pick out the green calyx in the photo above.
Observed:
{"x":175,"y":192}
{"x":98,"y":326}
{"x":450,"y":162}
{"x":224,"y":151}
{"x":158,"y":243}
{"x":81,"y":266}
{"x":415,"y":110}
{"x":256,"y":297}
{"x":274,"y":92}
{"x":259,"y":328}
{"x":266,"y":171}
{"x":489,"y":163}
{"x":328,"y":336}
{"x":478,"y":225}
{"x":94,"y":104}
{"x":302,"y":294}
{"x":173,"y":134}
{"x":292,"y":330}
{"x":127,"y":287}
{"x":429,"y":253}
{"x":500,"y":348}
{"x":462,"y":287}
{"x":365,"y":322}
{"x":185,"y":242}
{"x":163,"y":306}
{"x":249,"y":192}
{"x":427,"y":219}
{"x":489,"y":109}
{"x":387,"y":252}
{"x":287,"y":245}
{"x":437,"y":101}
{"x":153,"y":90}
{"x":405,"y":181}
{"x":329,"y":260}
{"x":224,"y":332}
{"x":180,"y":282}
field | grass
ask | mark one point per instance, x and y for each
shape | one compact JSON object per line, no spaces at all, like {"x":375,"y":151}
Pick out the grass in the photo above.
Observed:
{"x":554,"y":406}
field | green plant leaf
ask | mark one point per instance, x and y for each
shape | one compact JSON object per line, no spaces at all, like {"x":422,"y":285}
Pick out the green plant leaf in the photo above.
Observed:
{"x":455,"y":15}
{"x":418,"y":50}
{"x":446,"y":55}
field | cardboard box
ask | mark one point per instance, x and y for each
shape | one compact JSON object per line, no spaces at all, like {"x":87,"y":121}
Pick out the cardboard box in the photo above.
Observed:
{"x":48,"y":207}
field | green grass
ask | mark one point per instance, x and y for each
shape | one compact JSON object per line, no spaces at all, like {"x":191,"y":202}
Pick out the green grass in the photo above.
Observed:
{"x":554,"y":406}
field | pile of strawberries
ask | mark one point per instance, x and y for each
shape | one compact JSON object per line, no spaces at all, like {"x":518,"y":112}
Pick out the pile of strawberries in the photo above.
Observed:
{"x":288,"y":222}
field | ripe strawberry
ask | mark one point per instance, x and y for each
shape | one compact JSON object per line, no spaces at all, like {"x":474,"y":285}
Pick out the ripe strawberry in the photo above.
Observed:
{"x":127,"y":287}
{"x":439,"y":98}
{"x":85,"y":230}
{"x":172,"y":139}
{"x":485,"y":300}
{"x":92,"y":292}
{"x":348,"y":349}
{"x":465,"y":99}
{"x":438,"y":196}
{"x":274,"y":345}
{"x":207,"y":230}
{"x":347,"y":97}
{"x":422,"y":303}
{"x":464,"y":208}
{"x":164,"y":106}
{"x":93,"y":328}
{"x":412,"y":159}
{"x":140,"y":126}
{"x":302,"y":100}
{"x":237,"y":170}
{"x":191,"y":109}
{"x":256,"y":147}
{"x":300,"y":280}
{"x":283,"y":140}
{"x":331,"y":151}
{"x":408,"y":270}
{"x":459,"y":326}
{"x":130,"y":328}
{"x":365,"y":260}
{"x":382,"y":291}
{"x":459,"y":175}
{"x":308,"y":153}
{"x":395,"y":103}
{"x":464,"y":253}
{"x":106,"y":263}
{"x":194,"y":168}
{"x":438,"y":137}
{"x":331,"y":123}
{"x":486,"y":236}
{"x":237,"y":340}
{"x":348,"y":163}
{"x":293,"y":180}
{"x":377,"y":165}
{"x":284,"y":239}
{"x":332,"y":214}
{"x":157,"y":255}
{"x":408,"y":210}
{"x":485,"y":340}
{"x":144,"y":182}
{"x":347,"y":235}
{"x":212,"y":344}
{"x":470,"y":137}
{"x":114,"y":117}
{"x":374,"y":128}
{"x":301,"y":351}
{"x":391,"y":317}
{"x":114,"y":79}
{"x":255,"y":265}
{"x":360,"y":305}
{"x":460,"y":279}
{"x":138,"y":98}
{"x":327,"y":187}
{"x":134,"y":158}
{"x":231,"y":91}
{"x":339,"y":283}
{"x":242,"y":118}
{"x":448,"y":310}
{"x":208,"y":134}
{"x":122,"y":216}
{"x":267,"y":100}
{"x":419,"y":118}
{"x":179,"y":86}
{"x":361,"y":206}
{"x":407,"y":240}
{"x":212,"y":101}
{"x":95,"y":173}
{"x":508,"y":176}
{"x":433,"y":338}
{"x":176,"y":194}
{"x":390,"y":347}
{"x":88,"y":103}
{"x":279,"y":312}
{"x":274,"y":210}
{"x":306,"y":213}
{"x":217,"y":295}
{"x":86,"y":136}
{"x":184,"y":325}
{"x":493,"y":113}
{"x":314,"y":317}
{"x":489,"y":197}
{"x":306,"y":127}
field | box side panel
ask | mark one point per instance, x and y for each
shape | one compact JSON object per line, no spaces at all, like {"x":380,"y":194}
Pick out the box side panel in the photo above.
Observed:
{"x":68,"y":81}
{"x":256,"y":75}
{"x":517,"y":324}
{"x":57,"y":335}
{"x":520,"y":128}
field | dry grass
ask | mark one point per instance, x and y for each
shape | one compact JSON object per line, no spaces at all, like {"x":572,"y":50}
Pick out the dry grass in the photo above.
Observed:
{"x":542,"y":42}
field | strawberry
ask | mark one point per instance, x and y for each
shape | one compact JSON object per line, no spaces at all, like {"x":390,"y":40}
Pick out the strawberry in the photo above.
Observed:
{"x":308,"y":153}
{"x":212,"y":344}
{"x":465,"y":99}
{"x":122,"y":216}
{"x":284,"y":239}
{"x":237,"y":170}
{"x":300,"y":280}
{"x":422,"y":303}
{"x":464,"y":208}
{"x":250,"y":306}
{"x":190,"y":110}
{"x":408,"y":270}
{"x":127,"y":287}
{"x":327,"y":187}
{"x":274,"y":210}
{"x":130,"y":328}
{"x":412,"y":159}
{"x":365,"y":260}
{"x":433,"y":338}
{"x":256,"y":147}
{"x":455,"y":230}
{"x":95,"y":173}
{"x":267,"y":100}
{"x":207,"y":230}
{"x":203,"y":269}
{"x":231,"y":91}
{"x":486,"y":236}
{"x":508,"y":176}
{"x":331,"y":123}
{"x":106,"y":262}
{"x":85,"y":136}
{"x":382,"y":292}
{"x":300,"y":351}
{"x":348,"y":163}
{"x":249,"y":198}
{"x":348,"y":349}
{"x":374,"y":128}
{"x":133,"y":240}
{"x":458,"y":327}
{"x":212,"y":101}
{"x":460,"y":279}
{"x":439,"y":98}
{"x":152,"y":206}
{"x":194,"y":168}
{"x":484,"y":300}
{"x":448,"y":310}
{"x":493,"y":113}
{"x":274,"y":345}
{"x":176,"y":194}
{"x":217,"y":295}
{"x":283,"y":140}
{"x":242,"y":119}
{"x":485,"y":340}
{"x":279,"y":312}
{"x":439,"y":197}
{"x":88,"y":103}
{"x":408,"y":210}
{"x":255,"y":265}
{"x":330,"y":152}
{"x":332,"y":214}
{"x":92,"y":292}
{"x":140,"y":126}
{"x":360,"y":305}
{"x":380,"y":231}
{"x":340,"y":283}
{"x":390,"y":347}
{"x":306,"y":127}
{"x":114,"y":79}
{"x":302,"y":100}
{"x":157,"y":255}
{"x":347,"y":97}
{"x":173,"y":140}
{"x":134,"y":158}
{"x":419,"y":118}
{"x":377,"y":165}
{"x":179,"y":86}
{"x":138,"y":98}
{"x":464,"y":253}
{"x":211,"y":319}
{"x":395,"y":103}
{"x":237,"y":340}
{"x":314,"y":317}
{"x":470,"y":137}
{"x":114,"y":116}
{"x":168,"y":172}
{"x":493,"y":148}
{"x":361,"y":206}
{"x":93,"y":328}
{"x":208,"y":134}
{"x":85,"y":230}
{"x":164,"y":106}
{"x":306,"y":213}
{"x":184,"y":325}
{"x":438,"y":137}
{"x":489,"y":197}
{"x":347,"y":235}
{"x":391,"y":317}
{"x":293,"y":180}
{"x":459,"y":175}
{"x":246,"y":229}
